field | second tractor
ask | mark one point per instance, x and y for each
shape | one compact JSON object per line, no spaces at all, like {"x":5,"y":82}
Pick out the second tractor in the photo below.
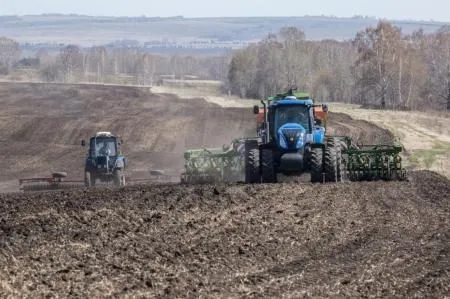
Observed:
{"x":104,"y":161}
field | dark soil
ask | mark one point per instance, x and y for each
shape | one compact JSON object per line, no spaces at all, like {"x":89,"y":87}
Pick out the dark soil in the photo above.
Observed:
{"x":383,"y":239}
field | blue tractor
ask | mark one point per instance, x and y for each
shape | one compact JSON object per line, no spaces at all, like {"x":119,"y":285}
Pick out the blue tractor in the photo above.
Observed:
{"x":292,"y":141}
{"x":104,"y":160}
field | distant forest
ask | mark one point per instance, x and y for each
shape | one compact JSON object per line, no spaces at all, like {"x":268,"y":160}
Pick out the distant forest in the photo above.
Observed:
{"x":380,"y":66}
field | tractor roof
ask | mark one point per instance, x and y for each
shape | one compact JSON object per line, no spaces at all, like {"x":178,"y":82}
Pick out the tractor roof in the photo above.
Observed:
{"x":104,"y":134}
{"x":290,"y":101}
{"x":297,"y":95}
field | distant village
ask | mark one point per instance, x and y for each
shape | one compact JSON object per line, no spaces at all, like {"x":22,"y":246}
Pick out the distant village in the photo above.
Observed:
{"x":155,"y":46}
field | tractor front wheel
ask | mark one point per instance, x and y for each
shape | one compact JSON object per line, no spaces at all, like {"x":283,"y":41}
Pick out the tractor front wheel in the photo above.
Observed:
{"x":267,"y":168}
{"x":119,"y":178}
{"x":89,"y":179}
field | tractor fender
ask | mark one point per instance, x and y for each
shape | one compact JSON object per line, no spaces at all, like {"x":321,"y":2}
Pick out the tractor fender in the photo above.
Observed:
{"x":319,"y":134}
{"x":120,"y":162}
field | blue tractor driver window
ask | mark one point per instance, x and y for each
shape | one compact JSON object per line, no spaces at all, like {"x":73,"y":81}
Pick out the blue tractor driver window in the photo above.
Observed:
{"x":292,"y":114}
{"x":106,"y":147}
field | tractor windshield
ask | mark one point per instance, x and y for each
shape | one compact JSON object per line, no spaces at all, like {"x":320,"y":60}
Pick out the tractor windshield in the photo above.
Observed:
{"x":104,"y":146}
{"x":298,"y":114}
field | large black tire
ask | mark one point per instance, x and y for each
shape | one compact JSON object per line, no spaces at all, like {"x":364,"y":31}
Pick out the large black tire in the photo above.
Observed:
{"x":316,"y":162}
{"x":338,"y":146}
{"x":268,"y":173}
{"x":119,"y":178}
{"x":89,"y":179}
{"x":331,"y":160}
{"x":252,"y":169}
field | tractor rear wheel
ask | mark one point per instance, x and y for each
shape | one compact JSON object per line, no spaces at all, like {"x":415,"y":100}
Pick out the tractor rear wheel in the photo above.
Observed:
{"x":339,"y":166}
{"x":316,"y":164}
{"x":252,"y":174}
{"x":267,"y":168}
{"x":335,"y":143}
{"x":89,"y":179}
{"x":330,"y":161}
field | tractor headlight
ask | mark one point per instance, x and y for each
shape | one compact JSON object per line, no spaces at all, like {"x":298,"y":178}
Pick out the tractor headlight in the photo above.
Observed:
{"x":283,"y":143}
{"x":300,"y":139}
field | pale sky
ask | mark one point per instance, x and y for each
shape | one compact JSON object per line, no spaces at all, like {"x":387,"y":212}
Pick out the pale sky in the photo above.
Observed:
{"x":437,"y":10}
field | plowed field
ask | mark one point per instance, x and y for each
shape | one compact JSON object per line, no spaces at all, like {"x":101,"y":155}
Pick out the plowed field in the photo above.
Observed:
{"x":353,"y":240}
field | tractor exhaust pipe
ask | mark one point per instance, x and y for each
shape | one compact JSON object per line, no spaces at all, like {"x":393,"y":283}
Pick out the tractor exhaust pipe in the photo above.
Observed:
{"x":266,"y":122}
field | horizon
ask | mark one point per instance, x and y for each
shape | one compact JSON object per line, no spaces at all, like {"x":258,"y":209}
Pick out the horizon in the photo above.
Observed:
{"x":401,"y":10}
{"x":49,"y":14}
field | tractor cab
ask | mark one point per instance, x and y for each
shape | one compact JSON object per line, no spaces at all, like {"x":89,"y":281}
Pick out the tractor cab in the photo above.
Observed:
{"x":291,"y":120}
{"x":290,"y":123}
{"x":104,"y":145}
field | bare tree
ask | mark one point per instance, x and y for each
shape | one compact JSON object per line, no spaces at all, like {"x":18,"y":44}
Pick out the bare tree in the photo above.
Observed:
{"x":146,"y":69}
{"x":379,"y":52}
{"x":96,"y":62}
{"x":242,"y":72}
{"x":9,"y":52}
{"x":72,"y":62}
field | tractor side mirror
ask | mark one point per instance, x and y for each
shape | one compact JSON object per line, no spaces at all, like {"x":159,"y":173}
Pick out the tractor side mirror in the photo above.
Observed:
{"x":83,"y":143}
{"x":255,"y":109}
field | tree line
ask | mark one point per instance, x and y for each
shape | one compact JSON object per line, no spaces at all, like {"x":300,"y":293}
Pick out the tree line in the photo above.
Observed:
{"x":98,"y":64}
{"x":379,"y":67}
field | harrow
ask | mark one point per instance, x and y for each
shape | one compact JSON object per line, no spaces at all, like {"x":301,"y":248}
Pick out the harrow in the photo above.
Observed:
{"x":57,"y":181}
{"x":373,"y":162}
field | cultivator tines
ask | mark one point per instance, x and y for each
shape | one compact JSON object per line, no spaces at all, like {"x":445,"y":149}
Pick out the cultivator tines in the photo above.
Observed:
{"x":55,"y":182}
{"x":209,"y":165}
{"x":376,"y":162}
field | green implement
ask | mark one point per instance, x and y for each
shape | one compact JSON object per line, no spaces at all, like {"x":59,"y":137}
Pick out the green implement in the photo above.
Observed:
{"x":372,"y":162}
{"x":208,"y":165}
